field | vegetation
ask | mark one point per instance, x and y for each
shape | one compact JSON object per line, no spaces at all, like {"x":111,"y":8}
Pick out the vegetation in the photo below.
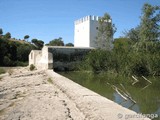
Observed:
{"x":32,"y":67}
{"x":13,"y":52}
{"x":7,"y":35}
{"x":50,"y":80}
{"x":56,"y":42}
{"x":69,"y":44}
{"x":106,"y":31}
{"x":137,"y":53}
{"x":1,"y":31}
{"x":26,"y":37}
{"x":149,"y":26}
{"x":38,"y":43}
{"x":59,"y":42}
{"x":2,"y":71}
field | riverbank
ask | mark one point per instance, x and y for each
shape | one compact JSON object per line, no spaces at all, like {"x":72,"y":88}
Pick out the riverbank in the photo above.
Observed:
{"x":47,"y":95}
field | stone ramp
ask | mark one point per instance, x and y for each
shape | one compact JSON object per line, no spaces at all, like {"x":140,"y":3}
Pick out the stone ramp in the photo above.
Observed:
{"x":46,"y":95}
{"x":91,"y":104}
{"x":29,"y":95}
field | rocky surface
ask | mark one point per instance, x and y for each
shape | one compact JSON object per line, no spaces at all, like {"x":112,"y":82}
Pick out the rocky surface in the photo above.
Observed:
{"x":26,"y":95}
{"x":46,"y":95}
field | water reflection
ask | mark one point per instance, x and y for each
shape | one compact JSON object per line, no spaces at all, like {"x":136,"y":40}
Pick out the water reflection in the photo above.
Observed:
{"x":125,"y":103}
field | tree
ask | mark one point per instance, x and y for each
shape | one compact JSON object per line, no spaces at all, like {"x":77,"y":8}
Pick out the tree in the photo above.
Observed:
{"x":133,"y":34}
{"x":7,"y":35}
{"x":122,"y":45}
{"x":1,"y":32}
{"x":23,"y":51}
{"x":150,"y":22}
{"x":38,"y":43}
{"x":26,"y":37}
{"x":3,"y":50}
{"x":69,"y":44}
{"x":106,"y":31}
{"x":56,"y":42}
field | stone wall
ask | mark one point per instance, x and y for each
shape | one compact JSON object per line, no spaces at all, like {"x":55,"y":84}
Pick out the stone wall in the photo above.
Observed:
{"x":91,"y":104}
{"x":85,"y":31}
{"x":34,"y":57}
{"x":57,"y":57}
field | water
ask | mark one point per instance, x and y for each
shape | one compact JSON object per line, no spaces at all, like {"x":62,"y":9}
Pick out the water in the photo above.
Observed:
{"x":145,"y":94}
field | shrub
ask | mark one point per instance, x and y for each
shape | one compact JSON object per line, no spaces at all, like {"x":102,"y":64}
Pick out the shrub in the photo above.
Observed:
{"x":32,"y":67}
{"x":21,"y":63}
{"x":2,"y":71}
{"x":97,"y":60}
{"x":140,"y":69}
{"x":50,"y":80}
{"x":132,"y":62}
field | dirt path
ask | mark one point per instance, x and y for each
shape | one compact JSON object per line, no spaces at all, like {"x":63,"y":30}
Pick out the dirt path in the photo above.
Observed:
{"x":26,"y":95}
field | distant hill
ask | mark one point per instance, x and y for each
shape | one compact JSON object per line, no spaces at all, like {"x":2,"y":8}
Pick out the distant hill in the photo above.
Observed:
{"x":14,"y":52}
{"x":19,"y":40}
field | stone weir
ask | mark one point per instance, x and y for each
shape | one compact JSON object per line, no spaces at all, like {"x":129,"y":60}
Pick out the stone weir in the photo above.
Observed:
{"x":57,"y":57}
{"x":91,"y":104}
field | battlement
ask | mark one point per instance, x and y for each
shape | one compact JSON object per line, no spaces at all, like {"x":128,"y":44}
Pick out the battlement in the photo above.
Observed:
{"x":87,"y":18}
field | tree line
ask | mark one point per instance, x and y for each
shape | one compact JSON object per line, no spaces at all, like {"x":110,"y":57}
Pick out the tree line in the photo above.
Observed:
{"x":136,"y":53}
{"x":14,"y":52}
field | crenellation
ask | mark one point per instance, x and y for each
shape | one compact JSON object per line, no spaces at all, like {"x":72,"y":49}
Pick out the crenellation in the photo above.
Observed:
{"x":87,"y":18}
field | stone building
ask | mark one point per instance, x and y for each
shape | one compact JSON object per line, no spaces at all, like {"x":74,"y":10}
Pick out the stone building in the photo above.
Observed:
{"x":57,"y":57}
{"x":85,"y":31}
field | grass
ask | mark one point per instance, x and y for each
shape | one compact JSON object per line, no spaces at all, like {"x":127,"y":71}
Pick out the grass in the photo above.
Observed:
{"x":50,"y":80}
{"x":2,"y":111}
{"x":2,"y":71}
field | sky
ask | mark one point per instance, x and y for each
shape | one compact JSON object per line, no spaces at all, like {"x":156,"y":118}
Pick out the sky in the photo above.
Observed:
{"x":49,"y":19}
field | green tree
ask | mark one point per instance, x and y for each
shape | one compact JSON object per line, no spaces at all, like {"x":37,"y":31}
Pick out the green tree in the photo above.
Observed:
{"x":69,"y":44}
{"x":38,"y":43}
{"x":13,"y":50}
{"x":1,"y":32}
{"x":133,"y":34}
{"x":56,"y":42}
{"x":7,"y":35}
{"x":23,"y":51}
{"x":122,"y":45}
{"x":26,"y":37}
{"x":3,"y":50}
{"x":14,"y":53}
{"x":106,"y":31}
{"x":7,"y":61}
{"x":150,"y":22}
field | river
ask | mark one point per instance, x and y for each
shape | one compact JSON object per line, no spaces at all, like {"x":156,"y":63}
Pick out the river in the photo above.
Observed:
{"x":142,"y":96}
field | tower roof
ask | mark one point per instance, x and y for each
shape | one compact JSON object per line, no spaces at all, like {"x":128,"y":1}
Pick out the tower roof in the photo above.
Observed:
{"x":87,"y":18}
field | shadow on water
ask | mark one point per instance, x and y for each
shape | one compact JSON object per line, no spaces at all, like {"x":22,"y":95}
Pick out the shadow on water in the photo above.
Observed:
{"x":146,"y":95}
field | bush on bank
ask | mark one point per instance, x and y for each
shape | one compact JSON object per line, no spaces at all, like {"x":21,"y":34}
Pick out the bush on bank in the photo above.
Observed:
{"x":126,"y":63}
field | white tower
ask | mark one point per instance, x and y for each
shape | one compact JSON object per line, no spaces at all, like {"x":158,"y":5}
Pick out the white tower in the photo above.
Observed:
{"x":85,"y":31}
